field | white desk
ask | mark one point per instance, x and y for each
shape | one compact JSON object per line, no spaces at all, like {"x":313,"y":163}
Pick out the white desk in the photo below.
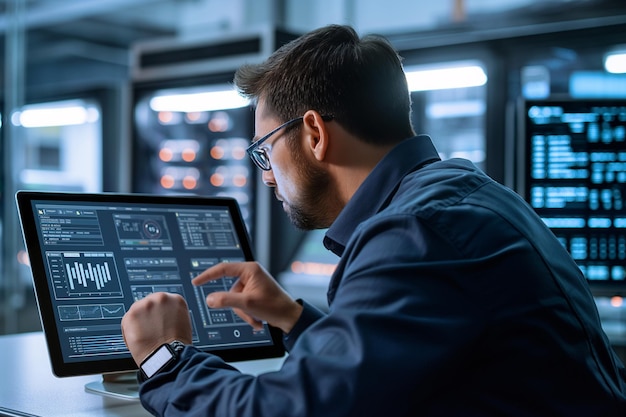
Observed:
{"x":28,"y":388}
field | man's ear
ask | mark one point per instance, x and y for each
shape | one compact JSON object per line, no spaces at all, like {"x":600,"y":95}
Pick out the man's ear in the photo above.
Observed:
{"x":316,"y":134}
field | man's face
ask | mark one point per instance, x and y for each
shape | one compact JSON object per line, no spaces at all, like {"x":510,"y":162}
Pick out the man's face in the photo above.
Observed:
{"x":299,"y":183}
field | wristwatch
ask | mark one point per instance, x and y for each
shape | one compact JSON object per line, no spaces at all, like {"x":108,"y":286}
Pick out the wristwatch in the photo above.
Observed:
{"x":161,"y":359}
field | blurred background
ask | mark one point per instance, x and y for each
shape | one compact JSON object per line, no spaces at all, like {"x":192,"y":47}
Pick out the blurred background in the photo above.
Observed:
{"x":136,"y":96}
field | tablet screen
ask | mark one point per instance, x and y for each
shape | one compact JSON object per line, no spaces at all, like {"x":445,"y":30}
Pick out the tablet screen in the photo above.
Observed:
{"x":93,"y":255}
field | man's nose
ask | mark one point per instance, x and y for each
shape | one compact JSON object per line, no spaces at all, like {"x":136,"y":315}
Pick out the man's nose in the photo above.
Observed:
{"x":268,"y":178}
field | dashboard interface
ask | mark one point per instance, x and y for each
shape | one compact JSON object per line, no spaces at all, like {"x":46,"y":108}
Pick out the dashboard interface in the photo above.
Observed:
{"x":99,"y":258}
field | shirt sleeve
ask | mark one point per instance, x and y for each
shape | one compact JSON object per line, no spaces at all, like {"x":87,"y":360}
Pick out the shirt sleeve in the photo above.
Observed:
{"x":310,"y":314}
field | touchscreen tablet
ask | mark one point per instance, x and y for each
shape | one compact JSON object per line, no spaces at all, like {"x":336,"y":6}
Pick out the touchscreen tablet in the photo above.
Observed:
{"x":93,"y":255}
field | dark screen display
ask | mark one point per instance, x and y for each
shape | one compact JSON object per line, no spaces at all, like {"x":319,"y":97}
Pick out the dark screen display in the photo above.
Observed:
{"x":574,"y":176}
{"x":99,"y":258}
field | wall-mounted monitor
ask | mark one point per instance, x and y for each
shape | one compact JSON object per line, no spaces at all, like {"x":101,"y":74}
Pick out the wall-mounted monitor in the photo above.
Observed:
{"x":572,"y":170}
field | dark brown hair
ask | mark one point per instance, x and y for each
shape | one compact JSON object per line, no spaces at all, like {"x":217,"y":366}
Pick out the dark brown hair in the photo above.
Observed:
{"x":358,"y":81}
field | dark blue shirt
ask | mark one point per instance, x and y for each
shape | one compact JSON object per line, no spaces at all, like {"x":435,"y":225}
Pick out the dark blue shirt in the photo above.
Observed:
{"x":451,"y":298}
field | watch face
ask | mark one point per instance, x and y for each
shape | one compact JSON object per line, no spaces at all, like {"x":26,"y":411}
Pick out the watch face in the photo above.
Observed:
{"x":157,"y":361}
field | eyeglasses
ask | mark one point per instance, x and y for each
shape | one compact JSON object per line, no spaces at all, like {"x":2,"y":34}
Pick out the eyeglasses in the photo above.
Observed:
{"x":259,"y":155}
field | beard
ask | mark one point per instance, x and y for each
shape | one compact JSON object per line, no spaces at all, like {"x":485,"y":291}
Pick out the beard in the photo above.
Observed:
{"x":314,"y":207}
{"x":303,"y":219}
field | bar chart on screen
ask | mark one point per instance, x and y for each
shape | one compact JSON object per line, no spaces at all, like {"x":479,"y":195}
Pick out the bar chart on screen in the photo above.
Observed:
{"x":84,"y":275}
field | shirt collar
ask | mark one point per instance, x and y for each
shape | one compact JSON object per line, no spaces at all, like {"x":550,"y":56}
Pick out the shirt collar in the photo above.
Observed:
{"x":378,"y":188}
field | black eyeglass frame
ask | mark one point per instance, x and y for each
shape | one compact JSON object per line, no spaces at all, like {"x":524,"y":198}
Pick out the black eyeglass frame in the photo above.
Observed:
{"x":259,"y":156}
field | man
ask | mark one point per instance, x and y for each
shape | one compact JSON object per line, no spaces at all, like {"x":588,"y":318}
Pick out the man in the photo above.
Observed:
{"x":451,"y":297}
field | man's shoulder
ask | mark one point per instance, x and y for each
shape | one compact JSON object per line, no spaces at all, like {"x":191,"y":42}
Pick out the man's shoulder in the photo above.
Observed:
{"x":437,"y":186}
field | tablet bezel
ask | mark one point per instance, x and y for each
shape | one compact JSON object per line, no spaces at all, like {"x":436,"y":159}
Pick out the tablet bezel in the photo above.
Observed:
{"x":43,"y":295}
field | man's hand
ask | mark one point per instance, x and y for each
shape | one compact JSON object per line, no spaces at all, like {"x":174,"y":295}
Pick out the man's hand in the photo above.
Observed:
{"x":156,"y":319}
{"x":255,"y":296}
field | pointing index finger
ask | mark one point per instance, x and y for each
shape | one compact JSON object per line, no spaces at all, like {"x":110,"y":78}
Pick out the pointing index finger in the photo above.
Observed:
{"x":220,"y":270}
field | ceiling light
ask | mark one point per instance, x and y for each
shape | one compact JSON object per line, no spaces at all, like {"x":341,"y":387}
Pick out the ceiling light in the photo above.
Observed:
{"x":199,"y":102}
{"x":439,"y":78}
{"x":615,"y":62}
{"x":62,"y":113}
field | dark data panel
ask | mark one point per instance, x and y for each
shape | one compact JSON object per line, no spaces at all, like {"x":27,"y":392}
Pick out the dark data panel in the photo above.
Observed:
{"x":574,"y":176}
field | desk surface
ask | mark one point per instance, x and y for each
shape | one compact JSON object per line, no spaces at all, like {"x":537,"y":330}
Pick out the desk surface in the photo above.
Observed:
{"x":28,"y":388}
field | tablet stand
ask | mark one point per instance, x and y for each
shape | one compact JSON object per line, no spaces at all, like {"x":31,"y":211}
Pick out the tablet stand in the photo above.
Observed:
{"x":122,"y":385}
